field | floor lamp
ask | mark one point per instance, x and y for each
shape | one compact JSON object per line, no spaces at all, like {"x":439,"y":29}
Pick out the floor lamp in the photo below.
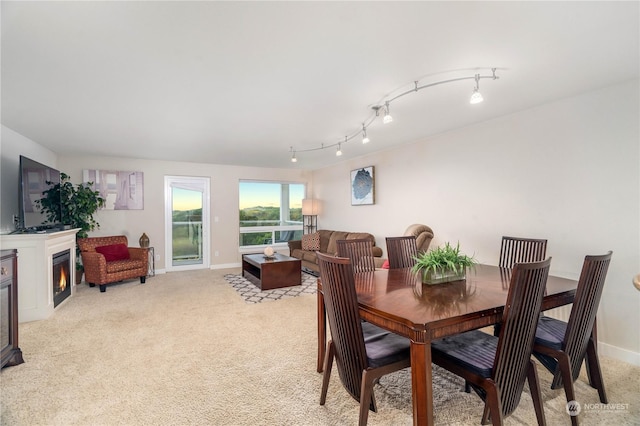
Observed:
{"x":310,"y":209}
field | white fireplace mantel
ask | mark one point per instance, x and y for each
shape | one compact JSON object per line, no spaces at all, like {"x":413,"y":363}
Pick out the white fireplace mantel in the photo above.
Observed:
{"x":35,"y":269}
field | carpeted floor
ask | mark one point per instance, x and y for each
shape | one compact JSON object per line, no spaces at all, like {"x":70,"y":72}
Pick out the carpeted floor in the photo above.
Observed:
{"x":252,"y":294}
{"x":186,"y":349}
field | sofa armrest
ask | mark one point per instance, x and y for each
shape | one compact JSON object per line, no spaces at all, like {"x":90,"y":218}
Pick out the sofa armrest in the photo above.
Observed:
{"x":95,"y":266}
{"x":377,"y":251}
{"x":294,"y":245}
{"x":139,"y":253}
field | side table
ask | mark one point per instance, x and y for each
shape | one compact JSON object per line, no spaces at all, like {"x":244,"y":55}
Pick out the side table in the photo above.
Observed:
{"x":152,"y":262}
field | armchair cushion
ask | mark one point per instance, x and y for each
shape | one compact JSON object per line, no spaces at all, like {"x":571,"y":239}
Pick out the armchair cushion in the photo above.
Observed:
{"x":114,"y":252}
{"x":423,"y":234}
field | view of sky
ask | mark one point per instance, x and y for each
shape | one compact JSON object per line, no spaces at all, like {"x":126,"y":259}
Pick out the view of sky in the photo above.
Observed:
{"x":184,"y":199}
{"x":252,"y":194}
{"x":268,"y":194}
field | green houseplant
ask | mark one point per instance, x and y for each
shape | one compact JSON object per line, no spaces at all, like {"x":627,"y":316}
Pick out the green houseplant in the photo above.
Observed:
{"x":443,"y":264}
{"x":72,"y":205}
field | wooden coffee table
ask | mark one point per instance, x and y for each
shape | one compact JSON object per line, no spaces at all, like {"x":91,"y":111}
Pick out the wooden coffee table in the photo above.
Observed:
{"x":269,"y":273}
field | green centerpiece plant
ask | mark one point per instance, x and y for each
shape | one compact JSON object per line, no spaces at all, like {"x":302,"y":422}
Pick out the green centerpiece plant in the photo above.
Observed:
{"x":443,"y":264}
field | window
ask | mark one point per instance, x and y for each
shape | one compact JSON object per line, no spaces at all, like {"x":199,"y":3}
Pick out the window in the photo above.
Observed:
{"x":270,"y":213}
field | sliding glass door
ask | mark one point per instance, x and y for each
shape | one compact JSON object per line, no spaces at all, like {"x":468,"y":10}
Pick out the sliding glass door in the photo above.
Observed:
{"x":187,"y":222}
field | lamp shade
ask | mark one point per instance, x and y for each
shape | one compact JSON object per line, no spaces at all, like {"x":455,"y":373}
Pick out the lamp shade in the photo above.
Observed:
{"x":310,"y":207}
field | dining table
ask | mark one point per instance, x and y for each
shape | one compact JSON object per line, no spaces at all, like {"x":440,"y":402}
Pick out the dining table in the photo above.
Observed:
{"x":398,"y":301}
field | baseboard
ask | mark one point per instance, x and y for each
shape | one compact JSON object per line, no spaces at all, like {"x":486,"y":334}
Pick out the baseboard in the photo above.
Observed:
{"x":226,"y":266}
{"x":620,"y":354}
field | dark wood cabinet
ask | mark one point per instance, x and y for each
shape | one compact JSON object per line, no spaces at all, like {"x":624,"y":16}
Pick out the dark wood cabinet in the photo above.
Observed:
{"x":11,"y":353}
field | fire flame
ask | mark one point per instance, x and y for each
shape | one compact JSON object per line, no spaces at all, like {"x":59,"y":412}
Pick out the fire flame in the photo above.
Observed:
{"x":63,"y":280}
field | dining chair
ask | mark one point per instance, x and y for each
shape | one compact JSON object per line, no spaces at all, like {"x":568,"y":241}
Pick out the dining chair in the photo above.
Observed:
{"x":496,"y":367}
{"x":401,"y":251}
{"x":516,"y":250}
{"x":363,"y":352}
{"x":359,"y":251}
{"x":562,"y":346}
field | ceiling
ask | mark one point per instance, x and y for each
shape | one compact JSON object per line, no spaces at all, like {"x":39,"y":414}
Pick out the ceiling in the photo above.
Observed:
{"x":244,"y":83}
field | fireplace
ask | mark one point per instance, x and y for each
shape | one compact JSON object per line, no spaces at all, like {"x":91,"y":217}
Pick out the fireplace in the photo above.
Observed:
{"x":35,"y":270}
{"x":61,"y":276}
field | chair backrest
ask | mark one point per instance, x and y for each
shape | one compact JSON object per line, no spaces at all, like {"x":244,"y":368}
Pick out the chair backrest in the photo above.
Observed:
{"x":517,"y":250}
{"x":90,"y":243}
{"x":518,"y":330}
{"x":585,"y":306}
{"x":401,"y":251}
{"x":359,"y":251}
{"x":341,"y":303}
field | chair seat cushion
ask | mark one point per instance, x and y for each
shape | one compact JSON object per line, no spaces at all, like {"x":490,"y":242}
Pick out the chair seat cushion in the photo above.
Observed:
{"x":384,"y":347}
{"x":124,"y":265}
{"x":474,"y":350}
{"x":114,"y":252}
{"x":550,"y":332}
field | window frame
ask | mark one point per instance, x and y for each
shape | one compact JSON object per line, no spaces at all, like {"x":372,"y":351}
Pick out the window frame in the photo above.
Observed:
{"x":273,"y":229}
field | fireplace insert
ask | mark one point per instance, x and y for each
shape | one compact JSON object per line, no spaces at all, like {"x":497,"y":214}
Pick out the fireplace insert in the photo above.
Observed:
{"x":61,"y":276}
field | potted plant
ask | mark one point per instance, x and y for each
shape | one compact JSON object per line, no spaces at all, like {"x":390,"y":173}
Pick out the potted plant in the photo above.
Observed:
{"x":443,"y":264}
{"x":72,"y":205}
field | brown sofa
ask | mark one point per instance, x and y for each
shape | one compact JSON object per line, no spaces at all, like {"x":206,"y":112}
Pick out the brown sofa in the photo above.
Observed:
{"x":98,"y":270}
{"x":328,"y":245}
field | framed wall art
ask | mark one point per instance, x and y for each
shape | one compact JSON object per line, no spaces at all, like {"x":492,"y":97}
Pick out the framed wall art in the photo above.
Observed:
{"x":362,"y":186}
{"x":122,"y":190}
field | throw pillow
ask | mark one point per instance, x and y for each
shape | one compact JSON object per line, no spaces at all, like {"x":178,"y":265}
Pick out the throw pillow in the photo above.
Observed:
{"x":311,"y":242}
{"x":114,"y":252}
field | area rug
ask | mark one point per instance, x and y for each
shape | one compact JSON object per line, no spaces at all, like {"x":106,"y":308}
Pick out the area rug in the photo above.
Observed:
{"x":252,"y":294}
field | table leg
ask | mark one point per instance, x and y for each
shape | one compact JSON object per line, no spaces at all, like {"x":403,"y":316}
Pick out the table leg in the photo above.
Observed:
{"x":322,"y":330}
{"x":421,"y":383}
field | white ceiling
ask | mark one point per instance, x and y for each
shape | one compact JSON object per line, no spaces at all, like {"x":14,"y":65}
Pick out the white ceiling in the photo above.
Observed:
{"x":242,"y":82}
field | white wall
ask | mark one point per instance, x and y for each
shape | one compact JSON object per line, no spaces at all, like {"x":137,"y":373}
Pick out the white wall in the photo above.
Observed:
{"x":224,"y":200}
{"x":568,"y":171}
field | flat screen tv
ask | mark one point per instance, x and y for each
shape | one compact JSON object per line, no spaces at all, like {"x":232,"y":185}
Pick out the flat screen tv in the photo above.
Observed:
{"x":35,"y":178}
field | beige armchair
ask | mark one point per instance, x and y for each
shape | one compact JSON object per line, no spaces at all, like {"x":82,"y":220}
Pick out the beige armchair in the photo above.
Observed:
{"x":423,"y":235}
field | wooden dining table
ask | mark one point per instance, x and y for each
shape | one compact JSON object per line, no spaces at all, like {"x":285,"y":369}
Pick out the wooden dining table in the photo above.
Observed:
{"x":397,"y":300}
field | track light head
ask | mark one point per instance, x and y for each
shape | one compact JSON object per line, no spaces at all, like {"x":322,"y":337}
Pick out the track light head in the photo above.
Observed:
{"x":338,"y":151}
{"x":387,"y":117}
{"x":365,"y":138}
{"x":476,"y":96}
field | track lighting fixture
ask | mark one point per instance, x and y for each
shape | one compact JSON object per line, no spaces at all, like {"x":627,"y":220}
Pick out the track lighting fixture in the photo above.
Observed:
{"x":387,"y":117}
{"x":365,"y":138}
{"x":476,"y":97}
